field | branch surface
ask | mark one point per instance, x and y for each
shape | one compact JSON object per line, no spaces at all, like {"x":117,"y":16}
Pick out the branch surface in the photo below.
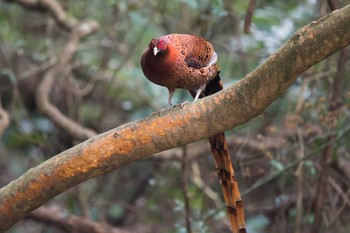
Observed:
{"x":139,"y":139}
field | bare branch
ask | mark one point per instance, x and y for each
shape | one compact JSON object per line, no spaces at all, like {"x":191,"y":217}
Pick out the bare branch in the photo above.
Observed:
{"x":44,"y":89}
{"x":54,"y":8}
{"x":334,"y":105}
{"x":186,"y":194}
{"x":54,"y":215}
{"x":77,"y":30}
{"x":249,"y":16}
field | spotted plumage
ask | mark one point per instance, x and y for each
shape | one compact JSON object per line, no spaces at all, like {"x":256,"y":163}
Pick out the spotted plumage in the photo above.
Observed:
{"x":182,"y":61}
{"x":189,"y":62}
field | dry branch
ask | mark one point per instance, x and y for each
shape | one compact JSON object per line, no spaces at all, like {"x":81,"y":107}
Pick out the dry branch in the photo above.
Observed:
{"x":262,"y":146}
{"x":139,"y":139}
{"x":334,"y":105}
{"x":42,"y":96}
{"x":77,"y":30}
{"x":53,"y":8}
{"x":71,"y":223}
{"x":249,"y":16}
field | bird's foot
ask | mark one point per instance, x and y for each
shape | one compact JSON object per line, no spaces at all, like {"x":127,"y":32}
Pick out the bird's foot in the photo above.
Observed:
{"x":182,"y":104}
{"x":159,"y":113}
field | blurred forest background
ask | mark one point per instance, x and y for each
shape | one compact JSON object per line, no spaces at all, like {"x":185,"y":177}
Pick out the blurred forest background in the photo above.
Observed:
{"x":292,"y":162}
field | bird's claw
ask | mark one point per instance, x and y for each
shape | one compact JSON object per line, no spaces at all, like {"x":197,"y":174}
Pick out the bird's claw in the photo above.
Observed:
{"x":159,"y":113}
{"x":182,"y":104}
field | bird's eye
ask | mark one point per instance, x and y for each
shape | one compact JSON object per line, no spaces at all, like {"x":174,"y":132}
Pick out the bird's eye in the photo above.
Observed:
{"x":161,"y":44}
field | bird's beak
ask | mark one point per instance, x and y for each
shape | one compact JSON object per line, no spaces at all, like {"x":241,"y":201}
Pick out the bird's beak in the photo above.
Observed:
{"x":155,"y":51}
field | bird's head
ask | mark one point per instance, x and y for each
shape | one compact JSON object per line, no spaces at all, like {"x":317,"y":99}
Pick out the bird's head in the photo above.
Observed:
{"x":159,"y":46}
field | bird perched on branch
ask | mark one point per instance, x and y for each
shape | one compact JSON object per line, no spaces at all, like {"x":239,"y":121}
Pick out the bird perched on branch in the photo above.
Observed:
{"x":190,"y":62}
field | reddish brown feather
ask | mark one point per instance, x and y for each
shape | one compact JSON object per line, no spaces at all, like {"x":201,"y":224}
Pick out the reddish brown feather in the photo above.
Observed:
{"x":189,"y":62}
{"x":170,"y":69}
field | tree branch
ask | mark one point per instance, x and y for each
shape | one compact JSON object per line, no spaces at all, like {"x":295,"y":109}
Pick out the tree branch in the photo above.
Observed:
{"x":77,"y":30}
{"x":249,"y":16}
{"x":71,"y":223}
{"x":45,"y":87}
{"x":139,"y":139}
{"x":54,"y":9}
{"x":334,"y":105}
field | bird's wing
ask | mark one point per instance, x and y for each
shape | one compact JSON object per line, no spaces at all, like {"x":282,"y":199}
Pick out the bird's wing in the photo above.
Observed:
{"x":198,"y":52}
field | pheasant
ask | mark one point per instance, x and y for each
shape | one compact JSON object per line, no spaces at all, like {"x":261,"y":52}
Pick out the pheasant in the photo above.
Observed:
{"x":190,"y":62}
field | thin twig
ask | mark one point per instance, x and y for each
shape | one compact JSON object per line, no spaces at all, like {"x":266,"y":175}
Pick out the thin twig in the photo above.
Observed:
{"x":57,"y":217}
{"x":299,"y":186}
{"x":249,"y":15}
{"x":267,"y":179}
{"x":334,"y":105}
{"x":52,"y":7}
{"x":207,"y":190}
{"x":346,"y":198}
{"x":185,"y":190}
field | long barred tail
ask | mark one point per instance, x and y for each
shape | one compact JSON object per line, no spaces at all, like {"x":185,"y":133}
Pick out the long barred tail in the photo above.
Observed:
{"x":225,"y":169}
{"x":228,"y":182}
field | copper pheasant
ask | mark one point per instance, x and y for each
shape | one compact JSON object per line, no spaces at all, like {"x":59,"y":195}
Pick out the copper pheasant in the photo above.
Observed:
{"x":190,"y":62}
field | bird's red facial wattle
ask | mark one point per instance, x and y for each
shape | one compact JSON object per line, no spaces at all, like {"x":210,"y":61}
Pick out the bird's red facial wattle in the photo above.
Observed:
{"x":158,"y":46}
